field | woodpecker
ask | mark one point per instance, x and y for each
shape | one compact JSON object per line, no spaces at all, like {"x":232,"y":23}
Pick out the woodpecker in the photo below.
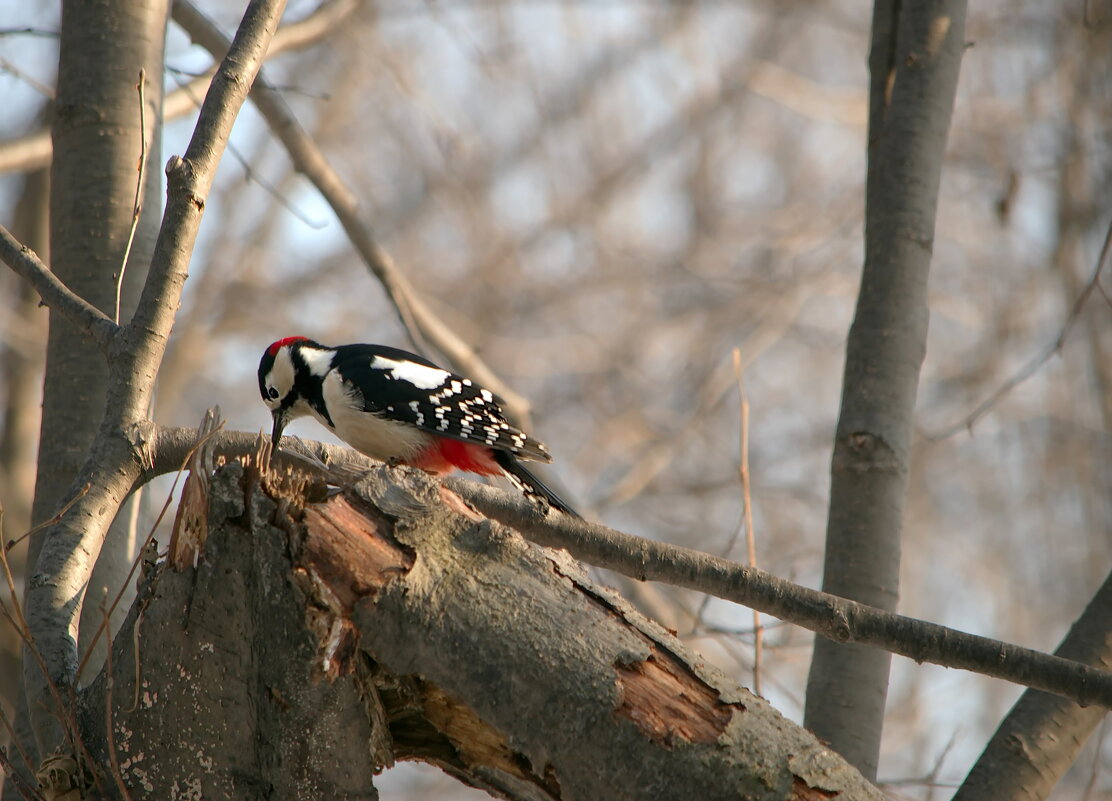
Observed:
{"x":400,"y":408}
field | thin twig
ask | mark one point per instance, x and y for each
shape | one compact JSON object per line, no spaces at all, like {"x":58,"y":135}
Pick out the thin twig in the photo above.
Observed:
{"x":932,"y":777}
{"x":137,"y":209}
{"x":251,"y":175}
{"x":1033,"y":366}
{"x":58,"y":516}
{"x":53,"y":292}
{"x":750,"y":540}
{"x":29,"y":31}
{"x":22,"y":624}
{"x":711,"y":630}
{"x":13,"y":739}
{"x":109,"y":720}
{"x":38,"y":86}
{"x":135,"y":632}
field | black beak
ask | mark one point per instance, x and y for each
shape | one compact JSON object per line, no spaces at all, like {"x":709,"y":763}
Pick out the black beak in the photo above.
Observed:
{"x":280,"y":420}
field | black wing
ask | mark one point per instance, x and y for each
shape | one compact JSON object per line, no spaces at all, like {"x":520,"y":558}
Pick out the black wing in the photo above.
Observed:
{"x":441,"y":402}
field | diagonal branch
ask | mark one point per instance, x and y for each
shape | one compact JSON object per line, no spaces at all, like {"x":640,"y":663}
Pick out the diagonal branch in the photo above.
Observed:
{"x":189,"y":180}
{"x":419,"y":320}
{"x":26,"y":264}
{"x":833,"y":617}
{"x":648,"y":560}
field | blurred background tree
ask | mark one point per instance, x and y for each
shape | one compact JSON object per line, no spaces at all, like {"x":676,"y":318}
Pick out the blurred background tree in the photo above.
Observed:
{"x":605,"y":199}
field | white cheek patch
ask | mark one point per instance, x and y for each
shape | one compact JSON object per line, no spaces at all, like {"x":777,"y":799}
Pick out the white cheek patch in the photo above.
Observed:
{"x":280,"y":377}
{"x":417,"y":374}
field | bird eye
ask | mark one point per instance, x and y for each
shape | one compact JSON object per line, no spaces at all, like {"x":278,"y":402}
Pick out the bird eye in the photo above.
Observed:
{"x":272,"y":392}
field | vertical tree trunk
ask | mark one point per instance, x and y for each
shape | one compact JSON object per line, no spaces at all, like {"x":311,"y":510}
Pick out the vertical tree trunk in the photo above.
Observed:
{"x":102,"y":47}
{"x":914,"y":62}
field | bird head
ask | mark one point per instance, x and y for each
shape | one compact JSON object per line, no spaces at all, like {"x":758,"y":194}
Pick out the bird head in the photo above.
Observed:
{"x":281,"y":375}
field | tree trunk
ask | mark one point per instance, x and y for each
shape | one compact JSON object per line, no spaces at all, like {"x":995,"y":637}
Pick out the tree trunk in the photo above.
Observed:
{"x":916,"y":53}
{"x":96,"y":135}
{"x":97,"y":143}
{"x":319,"y":641}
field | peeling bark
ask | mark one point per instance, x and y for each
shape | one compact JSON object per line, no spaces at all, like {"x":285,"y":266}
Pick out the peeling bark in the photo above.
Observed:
{"x":320,"y":640}
{"x":669,"y":703}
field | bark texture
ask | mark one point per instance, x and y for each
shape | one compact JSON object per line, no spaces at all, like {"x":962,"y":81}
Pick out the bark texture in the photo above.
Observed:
{"x":228,"y":701}
{"x":914,"y":63}
{"x":320,"y":640}
{"x":97,"y":141}
{"x":96,"y":135}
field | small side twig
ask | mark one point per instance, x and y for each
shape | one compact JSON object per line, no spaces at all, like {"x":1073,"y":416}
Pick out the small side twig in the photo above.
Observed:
{"x":750,"y":538}
{"x":746,"y":522}
{"x":59,"y":297}
{"x":135,"y":634}
{"x":137,"y":208}
{"x":19,"y":622}
{"x":1038,"y":361}
{"x":58,"y":516}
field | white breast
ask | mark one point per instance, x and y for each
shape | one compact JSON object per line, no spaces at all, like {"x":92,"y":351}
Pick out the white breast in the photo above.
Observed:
{"x":368,"y":434}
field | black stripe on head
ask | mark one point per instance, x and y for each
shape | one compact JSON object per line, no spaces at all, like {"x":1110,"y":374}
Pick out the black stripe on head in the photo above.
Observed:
{"x":306,"y":383}
{"x":265,"y":366}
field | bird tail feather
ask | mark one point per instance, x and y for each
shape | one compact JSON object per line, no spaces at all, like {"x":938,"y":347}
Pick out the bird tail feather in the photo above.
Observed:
{"x":530,"y":485}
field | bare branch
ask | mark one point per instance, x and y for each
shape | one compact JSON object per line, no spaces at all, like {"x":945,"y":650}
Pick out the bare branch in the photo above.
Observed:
{"x":835,"y":618}
{"x":54,"y":293}
{"x":137,"y":207}
{"x":189,"y":179}
{"x":648,"y":560}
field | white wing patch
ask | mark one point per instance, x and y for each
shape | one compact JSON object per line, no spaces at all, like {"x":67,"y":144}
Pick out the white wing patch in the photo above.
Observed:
{"x":417,"y":374}
{"x":319,"y":362}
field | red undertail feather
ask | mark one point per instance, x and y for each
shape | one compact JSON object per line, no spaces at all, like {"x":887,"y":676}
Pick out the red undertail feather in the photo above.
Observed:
{"x":451,"y":454}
